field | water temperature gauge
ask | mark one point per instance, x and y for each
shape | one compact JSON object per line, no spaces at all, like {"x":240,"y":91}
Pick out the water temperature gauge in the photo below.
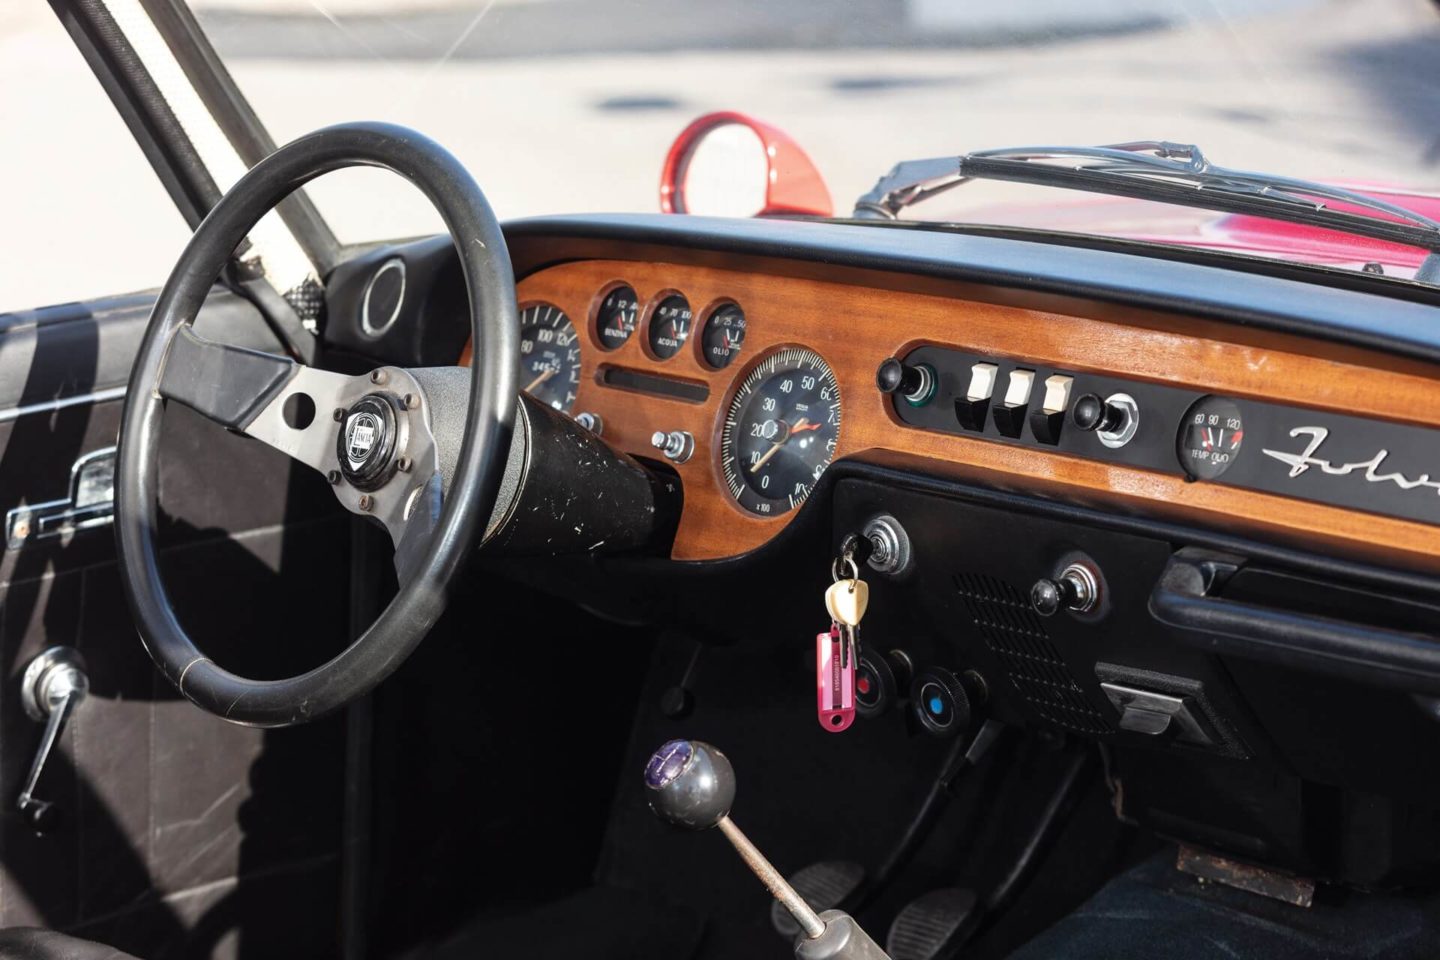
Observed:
{"x":1210,"y":437}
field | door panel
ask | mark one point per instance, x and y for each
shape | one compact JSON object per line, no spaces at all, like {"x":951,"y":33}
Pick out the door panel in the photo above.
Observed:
{"x":180,"y":835}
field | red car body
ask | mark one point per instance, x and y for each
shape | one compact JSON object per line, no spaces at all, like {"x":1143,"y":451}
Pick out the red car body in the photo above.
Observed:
{"x":795,"y":186}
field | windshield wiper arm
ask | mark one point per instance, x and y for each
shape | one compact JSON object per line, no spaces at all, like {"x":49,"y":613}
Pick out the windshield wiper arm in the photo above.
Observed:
{"x":1160,"y":171}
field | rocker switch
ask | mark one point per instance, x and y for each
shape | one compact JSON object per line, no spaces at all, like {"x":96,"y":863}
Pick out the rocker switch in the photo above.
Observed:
{"x":971,"y":409}
{"x":1010,"y":415}
{"x":1047,"y":422}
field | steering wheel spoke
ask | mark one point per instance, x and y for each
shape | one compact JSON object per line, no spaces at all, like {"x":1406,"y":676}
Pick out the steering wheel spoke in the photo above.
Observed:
{"x":229,"y":385}
{"x":369,"y":435}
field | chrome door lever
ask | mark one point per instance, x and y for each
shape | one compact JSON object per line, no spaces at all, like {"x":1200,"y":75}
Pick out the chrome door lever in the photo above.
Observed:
{"x":53,"y":685}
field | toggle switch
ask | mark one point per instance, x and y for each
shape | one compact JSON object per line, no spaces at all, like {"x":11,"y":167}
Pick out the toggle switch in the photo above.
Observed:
{"x":1047,"y":422}
{"x":1010,"y":415}
{"x":971,"y":409}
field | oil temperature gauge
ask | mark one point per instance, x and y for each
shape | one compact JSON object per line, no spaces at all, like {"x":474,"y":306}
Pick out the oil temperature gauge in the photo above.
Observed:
{"x":1210,"y":437}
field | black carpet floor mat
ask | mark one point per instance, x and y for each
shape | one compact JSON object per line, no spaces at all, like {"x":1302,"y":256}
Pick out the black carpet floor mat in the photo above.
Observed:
{"x":1154,"y":910}
{"x":601,"y":923}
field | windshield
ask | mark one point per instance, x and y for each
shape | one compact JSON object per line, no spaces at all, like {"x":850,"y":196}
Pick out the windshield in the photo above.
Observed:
{"x":570,"y":105}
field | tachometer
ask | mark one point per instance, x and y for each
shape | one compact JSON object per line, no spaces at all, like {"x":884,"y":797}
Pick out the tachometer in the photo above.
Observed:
{"x":1210,"y":437}
{"x":780,"y":431}
{"x":549,"y":355}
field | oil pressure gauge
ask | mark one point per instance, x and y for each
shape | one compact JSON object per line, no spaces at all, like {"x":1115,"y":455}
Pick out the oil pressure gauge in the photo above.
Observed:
{"x":1210,"y":437}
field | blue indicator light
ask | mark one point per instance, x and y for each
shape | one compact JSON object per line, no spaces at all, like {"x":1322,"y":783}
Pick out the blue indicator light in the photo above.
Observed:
{"x":936,"y":705}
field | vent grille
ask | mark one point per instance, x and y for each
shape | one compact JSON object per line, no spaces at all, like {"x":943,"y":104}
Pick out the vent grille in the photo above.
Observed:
{"x":1015,"y":634}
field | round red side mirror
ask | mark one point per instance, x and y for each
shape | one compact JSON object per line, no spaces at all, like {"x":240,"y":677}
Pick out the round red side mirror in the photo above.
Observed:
{"x":730,"y":165}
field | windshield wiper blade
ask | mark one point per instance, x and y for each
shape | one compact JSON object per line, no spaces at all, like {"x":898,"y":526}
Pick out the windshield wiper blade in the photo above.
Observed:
{"x":1163,"y":172}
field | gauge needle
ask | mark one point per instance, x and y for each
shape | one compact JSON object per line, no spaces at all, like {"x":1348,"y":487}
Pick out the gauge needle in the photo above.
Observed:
{"x":801,"y":426}
{"x":539,"y":380}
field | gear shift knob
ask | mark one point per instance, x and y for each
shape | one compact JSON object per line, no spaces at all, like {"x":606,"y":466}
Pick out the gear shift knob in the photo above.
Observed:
{"x":690,"y":784}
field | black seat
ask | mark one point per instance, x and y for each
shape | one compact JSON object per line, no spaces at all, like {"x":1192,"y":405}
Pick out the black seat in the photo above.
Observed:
{"x":36,"y":943}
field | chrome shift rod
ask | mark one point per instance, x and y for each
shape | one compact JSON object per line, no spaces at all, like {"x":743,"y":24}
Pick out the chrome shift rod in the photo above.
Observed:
{"x":692,"y":785}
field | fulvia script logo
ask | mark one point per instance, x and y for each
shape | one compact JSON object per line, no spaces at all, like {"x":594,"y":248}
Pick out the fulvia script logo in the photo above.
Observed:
{"x":361,"y":435}
{"x":1369,"y":470}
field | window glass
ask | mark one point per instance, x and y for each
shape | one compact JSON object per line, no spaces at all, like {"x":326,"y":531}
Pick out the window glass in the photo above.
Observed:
{"x":569,"y":105}
{"x":82,"y":213}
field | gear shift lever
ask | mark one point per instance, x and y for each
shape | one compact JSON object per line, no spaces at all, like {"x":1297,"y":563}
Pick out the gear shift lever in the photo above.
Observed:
{"x":691,"y":784}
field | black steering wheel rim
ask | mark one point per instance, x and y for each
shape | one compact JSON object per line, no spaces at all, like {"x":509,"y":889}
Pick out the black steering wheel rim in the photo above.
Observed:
{"x":473,"y":488}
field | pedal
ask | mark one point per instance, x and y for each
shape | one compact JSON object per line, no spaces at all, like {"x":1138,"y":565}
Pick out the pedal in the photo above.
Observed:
{"x":824,"y":886}
{"x":922,"y":929}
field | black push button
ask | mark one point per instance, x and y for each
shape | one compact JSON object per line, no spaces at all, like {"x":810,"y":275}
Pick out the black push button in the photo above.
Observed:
{"x":941,"y":702}
{"x":916,"y":384}
{"x":1093,"y":414}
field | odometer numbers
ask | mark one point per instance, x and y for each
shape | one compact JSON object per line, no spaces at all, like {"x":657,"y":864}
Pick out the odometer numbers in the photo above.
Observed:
{"x":780,"y":432}
{"x":1210,"y":437}
{"x":549,"y":355}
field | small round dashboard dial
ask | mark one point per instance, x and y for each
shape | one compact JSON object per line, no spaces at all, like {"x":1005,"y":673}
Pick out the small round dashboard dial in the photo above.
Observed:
{"x":723,"y":335}
{"x":670,"y":323}
{"x":1210,"y":437}
{"x":615,"y":317}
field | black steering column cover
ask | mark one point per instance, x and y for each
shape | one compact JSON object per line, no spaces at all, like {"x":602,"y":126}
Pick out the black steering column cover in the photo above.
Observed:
{"x":472,"y":490}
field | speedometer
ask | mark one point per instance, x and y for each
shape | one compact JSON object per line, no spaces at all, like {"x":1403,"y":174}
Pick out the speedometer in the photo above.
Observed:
{"x":549,"y":355}
{"x":780,"y":431}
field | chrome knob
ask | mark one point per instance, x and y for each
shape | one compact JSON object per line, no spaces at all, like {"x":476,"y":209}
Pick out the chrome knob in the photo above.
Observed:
{"x":591,"y":422}
{"x":1075,"y":589}
{"x":678,"y":446}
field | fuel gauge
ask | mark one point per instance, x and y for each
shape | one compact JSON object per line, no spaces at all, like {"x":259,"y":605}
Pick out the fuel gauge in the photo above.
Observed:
{"x":1210,"y":437}
{"x":615,"y":317}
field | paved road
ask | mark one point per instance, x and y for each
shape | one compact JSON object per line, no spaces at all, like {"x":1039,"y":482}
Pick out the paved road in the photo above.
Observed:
{"x":1328,"y":88}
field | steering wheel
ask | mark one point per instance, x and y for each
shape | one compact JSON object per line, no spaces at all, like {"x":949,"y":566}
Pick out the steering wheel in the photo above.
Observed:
{"x":422,"y":450}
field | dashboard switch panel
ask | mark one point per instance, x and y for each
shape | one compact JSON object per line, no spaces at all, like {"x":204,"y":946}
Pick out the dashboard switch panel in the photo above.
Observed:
{"x":1345,"y":461}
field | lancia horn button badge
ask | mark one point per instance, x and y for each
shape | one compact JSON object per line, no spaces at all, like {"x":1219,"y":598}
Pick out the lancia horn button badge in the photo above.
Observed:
{"x":362,"y":430}
{"x":366,"y":446}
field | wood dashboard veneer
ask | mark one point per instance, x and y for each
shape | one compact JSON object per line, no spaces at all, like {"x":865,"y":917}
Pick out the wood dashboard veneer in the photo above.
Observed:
{"x":854,"y":328}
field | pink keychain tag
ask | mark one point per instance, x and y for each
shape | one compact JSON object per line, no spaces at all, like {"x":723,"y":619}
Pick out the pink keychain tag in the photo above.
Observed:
{"x":834,"y":680}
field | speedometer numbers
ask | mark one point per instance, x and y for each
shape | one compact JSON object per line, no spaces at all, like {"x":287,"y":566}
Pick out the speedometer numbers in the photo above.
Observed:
{"x":549,"y":355}
{"x":780,"y":432}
